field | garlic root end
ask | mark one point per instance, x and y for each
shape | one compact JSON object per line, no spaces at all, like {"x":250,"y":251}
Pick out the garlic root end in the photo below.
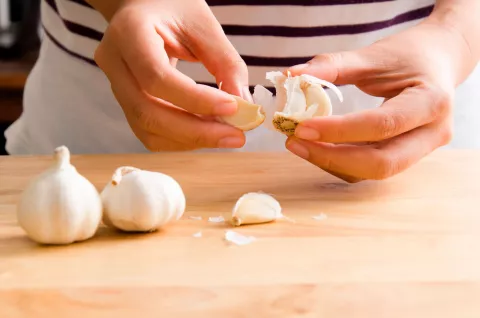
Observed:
{"x":62,"y":156}
{"x":120,"y":172}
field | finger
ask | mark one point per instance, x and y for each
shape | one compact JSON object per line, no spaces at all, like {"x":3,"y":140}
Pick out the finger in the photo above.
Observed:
{"x":367,"y":162}
{"x":153,"y":120}
{"x":348,"y":67}
{"x":413,"y":108}
{"x":208,"y":42}
{"x":143,"y":50}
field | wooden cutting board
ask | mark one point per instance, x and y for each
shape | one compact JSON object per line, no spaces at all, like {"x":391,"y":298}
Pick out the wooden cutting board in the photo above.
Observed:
{"x":404,"y":247}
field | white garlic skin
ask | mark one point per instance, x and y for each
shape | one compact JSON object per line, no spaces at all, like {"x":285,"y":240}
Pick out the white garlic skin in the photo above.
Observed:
{"x":60,"y":206}
{"x":255,"y":208}
{"x":141,"y":201}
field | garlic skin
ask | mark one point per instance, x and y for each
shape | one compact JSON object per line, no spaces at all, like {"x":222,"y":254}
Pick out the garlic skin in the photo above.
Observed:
{"x":138,"y":200}
{"x":60,"y":206}
{"x":299,"y":98}
{"x":255,"y":208}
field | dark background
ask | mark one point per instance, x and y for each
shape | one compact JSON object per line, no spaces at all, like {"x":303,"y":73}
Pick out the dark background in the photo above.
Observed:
{"x":17,"y":56}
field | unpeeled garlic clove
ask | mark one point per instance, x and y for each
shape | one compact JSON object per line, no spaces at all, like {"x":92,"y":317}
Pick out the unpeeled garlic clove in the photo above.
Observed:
{"x":254,"y":208}
{"x":60,"y":206}
{"x":138,"y":200}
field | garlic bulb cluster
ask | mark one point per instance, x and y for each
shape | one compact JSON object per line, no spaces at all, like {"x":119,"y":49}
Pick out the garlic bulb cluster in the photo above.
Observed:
{"x":299,"y":98}
{"x":254,"y":208}
{"x":60,"y":206}
{"x":141,"y":201}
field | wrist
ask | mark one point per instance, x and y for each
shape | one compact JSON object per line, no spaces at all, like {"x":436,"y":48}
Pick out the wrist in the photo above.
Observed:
{"x":458,"y":21}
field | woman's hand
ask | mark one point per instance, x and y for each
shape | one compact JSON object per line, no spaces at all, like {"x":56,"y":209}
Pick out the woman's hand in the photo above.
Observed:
{"x":416,"y":72}
{"x":166,"y":109}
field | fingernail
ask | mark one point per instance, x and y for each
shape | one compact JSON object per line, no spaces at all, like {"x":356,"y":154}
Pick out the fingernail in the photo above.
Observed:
{"x":298,"y":149}
{"x":231,"y":142}
{"x":246,"y":95}
{"x":306,"y":133}
{"x":226,"y":108}
{"x":298,"y":68}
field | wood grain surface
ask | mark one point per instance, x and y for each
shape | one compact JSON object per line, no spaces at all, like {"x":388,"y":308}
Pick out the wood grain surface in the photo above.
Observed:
{"x":404,"y":247}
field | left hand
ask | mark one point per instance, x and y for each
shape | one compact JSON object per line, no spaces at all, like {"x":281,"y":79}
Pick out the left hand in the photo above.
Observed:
{"x":416,"y":71}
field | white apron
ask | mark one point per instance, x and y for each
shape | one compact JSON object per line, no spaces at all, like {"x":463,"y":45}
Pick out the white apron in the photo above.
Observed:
{"x":68,"y":101}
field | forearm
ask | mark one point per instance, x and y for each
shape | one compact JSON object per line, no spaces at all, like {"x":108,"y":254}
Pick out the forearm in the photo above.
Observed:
{"x":461,"y":19}
{"x":106,"y":7}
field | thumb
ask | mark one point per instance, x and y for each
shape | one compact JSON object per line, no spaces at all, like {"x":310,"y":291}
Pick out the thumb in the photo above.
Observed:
{"x":341,"y":68}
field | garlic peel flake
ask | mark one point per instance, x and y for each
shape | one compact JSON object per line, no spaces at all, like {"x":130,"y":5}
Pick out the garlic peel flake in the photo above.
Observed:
{"x":238,"y":239}
{"x":60,"y":206}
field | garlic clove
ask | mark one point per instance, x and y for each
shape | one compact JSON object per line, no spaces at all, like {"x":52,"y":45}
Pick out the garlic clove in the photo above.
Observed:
{"x":254,"y":208}
{"x":248,"y":116}
{"x":60,"y":206}
{"x":138,"y":200}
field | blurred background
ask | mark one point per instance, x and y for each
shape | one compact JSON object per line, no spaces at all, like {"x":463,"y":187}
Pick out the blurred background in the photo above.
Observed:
{"x":19,"y":44}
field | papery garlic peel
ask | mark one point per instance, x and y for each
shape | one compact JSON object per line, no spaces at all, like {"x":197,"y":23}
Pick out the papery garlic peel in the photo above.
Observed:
{"x":254,"y":208}
{"x":299,"y":98}
{"x":296,"y":99}
{"x":248,"y":116}
{"x":60,"y":206}
{"x":138,"y":200}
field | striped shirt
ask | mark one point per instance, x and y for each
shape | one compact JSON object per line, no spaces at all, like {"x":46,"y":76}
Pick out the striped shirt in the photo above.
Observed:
{"x":68,"y":99}
{"x":269,"y":34}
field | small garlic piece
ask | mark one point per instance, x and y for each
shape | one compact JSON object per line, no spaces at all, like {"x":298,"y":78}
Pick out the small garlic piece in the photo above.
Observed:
{"x":60,"y":206}
{"x":254,"y":208}
{"x":138,"y":200}
{"x":299,"y":98}
{"x":248,"y":116}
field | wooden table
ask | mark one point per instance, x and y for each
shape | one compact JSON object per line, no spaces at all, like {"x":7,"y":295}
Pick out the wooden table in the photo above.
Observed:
{"x":405,"y":247}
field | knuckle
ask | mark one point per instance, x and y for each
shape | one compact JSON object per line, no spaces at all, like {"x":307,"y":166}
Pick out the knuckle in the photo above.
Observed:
{"x":153,"y":81}
{"x":441,"y":101}
{"x":386,"y":166}
{"x":145,"y":119}
{"x":198,"y":140}
{"x":446,"y":135}
{"x":387,"y":126}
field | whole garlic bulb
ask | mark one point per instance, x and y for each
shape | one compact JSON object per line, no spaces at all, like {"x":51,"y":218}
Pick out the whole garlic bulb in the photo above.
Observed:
{"x":297,"y":98}
{"x":254,"y":208}
{"x":141,"y":201}
{"x":60,"y":206}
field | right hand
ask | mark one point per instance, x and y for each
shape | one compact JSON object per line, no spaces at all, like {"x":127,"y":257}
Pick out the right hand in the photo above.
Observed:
{"x":166,"y":109}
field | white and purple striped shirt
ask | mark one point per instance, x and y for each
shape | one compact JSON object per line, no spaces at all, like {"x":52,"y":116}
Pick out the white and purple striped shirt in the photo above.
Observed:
{"x":268,"y":34}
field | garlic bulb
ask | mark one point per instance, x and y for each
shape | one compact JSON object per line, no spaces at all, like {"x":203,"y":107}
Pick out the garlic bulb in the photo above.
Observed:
{"x":141,"y":201}
{"x":248,"y":116}
{"x":253,"y":208}
{"x":60,"y":206}
{"x":299,"y":98}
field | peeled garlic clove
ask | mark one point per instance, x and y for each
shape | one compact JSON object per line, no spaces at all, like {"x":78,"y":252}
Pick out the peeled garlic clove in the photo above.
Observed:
{"x":253,"y":208}
{"x":60,"y":206}
{"x":299,"y":98}
{"x":248,"y":116}
{"x":138,"y":200}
